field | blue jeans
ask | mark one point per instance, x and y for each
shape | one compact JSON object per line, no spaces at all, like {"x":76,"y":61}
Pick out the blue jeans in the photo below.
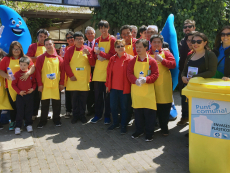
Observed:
{"x":118,"y":98}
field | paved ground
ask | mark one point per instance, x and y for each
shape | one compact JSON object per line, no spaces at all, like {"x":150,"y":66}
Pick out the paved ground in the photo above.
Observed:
{"x":90,"y":148}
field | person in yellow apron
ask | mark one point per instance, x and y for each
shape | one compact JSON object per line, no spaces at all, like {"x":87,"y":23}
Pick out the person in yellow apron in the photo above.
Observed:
{"x":126,"y":34}
{"x":50,"y":77}
{"x":103,"y":51}
{"x":163,"y":85}
{"x":35,"y":50}
{"x":11,"y":60}
{"x":142,"y":72}
{"x":78,"y":62}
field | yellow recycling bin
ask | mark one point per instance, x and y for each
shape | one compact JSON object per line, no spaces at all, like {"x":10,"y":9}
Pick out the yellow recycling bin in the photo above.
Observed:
{"x":209,"y":125}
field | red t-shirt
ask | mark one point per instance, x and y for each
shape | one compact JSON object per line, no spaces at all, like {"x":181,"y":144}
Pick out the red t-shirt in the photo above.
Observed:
{"x":19,"y":85}
{"x":32,"y":50}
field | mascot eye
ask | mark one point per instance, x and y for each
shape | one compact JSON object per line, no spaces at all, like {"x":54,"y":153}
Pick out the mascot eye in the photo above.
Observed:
{"x":13,"y":22}
{"x":19,"y":22}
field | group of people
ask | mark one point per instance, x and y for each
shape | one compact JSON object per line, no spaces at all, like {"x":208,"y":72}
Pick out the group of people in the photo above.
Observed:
{"x":107,"y":76}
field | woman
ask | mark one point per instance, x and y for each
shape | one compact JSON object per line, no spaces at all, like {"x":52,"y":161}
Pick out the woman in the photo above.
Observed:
{"x":11,"y":60}
{"x":163,"y":85}
{"x":202,"y":62}
{"x":118,"y":85}
{"x":222,"y":51}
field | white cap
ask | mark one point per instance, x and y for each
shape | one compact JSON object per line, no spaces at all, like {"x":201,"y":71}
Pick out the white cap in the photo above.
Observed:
{"x":153,"y":27}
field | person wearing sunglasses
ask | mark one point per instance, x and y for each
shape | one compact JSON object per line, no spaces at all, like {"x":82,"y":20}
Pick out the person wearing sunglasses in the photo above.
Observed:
{"x":222,"y":51}
{"x":203,"y":62}
{"x":118,"y":85}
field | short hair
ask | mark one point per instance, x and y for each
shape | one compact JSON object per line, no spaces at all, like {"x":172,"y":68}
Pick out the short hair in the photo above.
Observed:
{"x":43,"y":31}
{"x":25,"y":60}
{"x":89,"y":28}
{"x":120,"y":41}
{"x":15,"y":43}
{"x":125,"y":27}
{"x":48,"y":39}
{"x":156,"y":36}
{"x":189,"y":21}
{"x":142,"y":28}
{"x":133,"y":26}
{"x":190,"y":34}
{"x":69,"y":33}
{"x":103,"y":23}
{"x":153,"y":27}
{"x":143,"y":41}
{"x":78,"y":34}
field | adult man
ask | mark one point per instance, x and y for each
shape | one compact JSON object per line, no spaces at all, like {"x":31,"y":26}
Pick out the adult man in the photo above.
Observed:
{"x":189,"y":25}
{"x":50,"y":77}
{"x":142,"y":31}
{"x":90,"y":35}
{"x":134,"y":31}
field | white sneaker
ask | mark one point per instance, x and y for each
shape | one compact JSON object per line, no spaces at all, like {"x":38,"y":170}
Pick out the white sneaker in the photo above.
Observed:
{"x":17,"y":131}
{"x":29,"y":129}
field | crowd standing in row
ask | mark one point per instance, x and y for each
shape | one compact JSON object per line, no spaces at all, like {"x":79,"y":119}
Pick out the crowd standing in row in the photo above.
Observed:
{"x":107,"y":76}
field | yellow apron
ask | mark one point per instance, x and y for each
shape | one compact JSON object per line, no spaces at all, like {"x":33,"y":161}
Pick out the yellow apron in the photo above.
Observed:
{"x":100,"y":70}
{"x":40,"y":51}
{"x":81,"y":69}
{"x":163,"y":85}
{"x":143,"y":96}
{"x":129,"y":48}
{"x":4,"y":100}
{"x":14,"y":65}
{"x":50,"y":84}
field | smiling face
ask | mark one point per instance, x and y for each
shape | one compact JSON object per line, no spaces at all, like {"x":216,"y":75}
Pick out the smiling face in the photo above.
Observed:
{"x":70,"y":40}
{"x":196,"y":46}
{"x":225,"y":38}
{"x":16,"y":51}
{"x":126,"y":35}
{"x":16,"y":26}
{"x":41,"y":38}
{"x":78,"y":41}
{"x":150,"y":32}
{"x":49,"y":45}
{"x":188,"y":28}
{"x":104,"y":31}
{"x":90,"y":35}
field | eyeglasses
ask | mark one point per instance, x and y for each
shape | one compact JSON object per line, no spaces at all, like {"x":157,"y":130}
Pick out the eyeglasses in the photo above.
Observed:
{"x":16,"y":50}
{"x":225,"y":34}
{"x":189,"y":26}
{"x":69,"y":38}
{"x":120,"y":46}
{"x":196,"y":41}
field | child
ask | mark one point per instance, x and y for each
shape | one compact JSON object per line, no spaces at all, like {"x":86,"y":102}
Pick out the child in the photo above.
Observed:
{"x":24,"y":100}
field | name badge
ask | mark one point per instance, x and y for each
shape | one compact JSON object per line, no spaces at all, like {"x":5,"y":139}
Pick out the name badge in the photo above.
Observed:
{"x":51,"y":76}
{"x":80,"y":68}
{"x":148,"y":72}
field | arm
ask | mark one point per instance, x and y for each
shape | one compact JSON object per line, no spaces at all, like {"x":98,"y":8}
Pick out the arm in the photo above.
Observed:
{"x":154,"y":71}
{"x":90,"y":57}
{"x":39,"y":66}
{"x":3,"y":66}
{"x":108,"y":72}
{"x":130,"y":71}
{"x":32,"y":51}
{"x":111,"y":51}
{"x":67,"y":59}
{"x":62,"y":71}
{"x":15,"y":83}
{"x":169,"y":60}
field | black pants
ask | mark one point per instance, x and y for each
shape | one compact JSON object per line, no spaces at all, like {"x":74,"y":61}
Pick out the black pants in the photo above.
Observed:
{"x":145,"y":118}
{"x":24,"y":109}
{"x":91,"y":96}
{"x":13,"y":112}
{"x":163,"y":111}
{"x":68,"y":101}
{"x":101,"y":100}
{"x":37,"y":100}
{"x":79,"y":100}
{"x":56,"y":106}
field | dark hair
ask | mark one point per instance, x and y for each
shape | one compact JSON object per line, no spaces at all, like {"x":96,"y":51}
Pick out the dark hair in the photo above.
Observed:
{"x":142,"y":28}
{"x":47,"y":39}
{"x":156,"y":36}
{"x":43,"y":31}
{"x":190,"y":34}
{"x":204,"y":38}
{"x":15,"y":43}
{"x":2,"y":54}
{"x":78,"y":34}
{"x":143,"y":41}
{"x":125,"y":27}
{"x":218,"y":37}
{"x":24,"y":59}
{"x":69,"y":33}
{"x":103,"y":23}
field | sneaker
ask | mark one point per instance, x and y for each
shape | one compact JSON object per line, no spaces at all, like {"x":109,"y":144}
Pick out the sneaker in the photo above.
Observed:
{"x":74,"y":120}
{"x":58,"y":124}
{"x":67,"y":115}
{"x":29,"y":128}
{"x":112,"y":127}
{"x":136,"y":135}
{"x":83,"y":120}
{"x":1,"y":126}
{"x":40,"y":125}
{"x":95,"y":119}
{"x":123,"y":130}
{"x":131,"y":122}
{"x":17,"y":131}
{"x":173,"y":113}
{"x":12,"y":126}
{"x":107,"y":121}
{"x":148,"y":138}
{"x":182,"y":122}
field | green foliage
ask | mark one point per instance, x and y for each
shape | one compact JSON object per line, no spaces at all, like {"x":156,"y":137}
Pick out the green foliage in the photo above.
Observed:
{"x":210,"y":15}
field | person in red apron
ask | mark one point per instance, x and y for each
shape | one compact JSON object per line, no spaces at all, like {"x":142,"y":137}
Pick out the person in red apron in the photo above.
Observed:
{"x":35,"y":50}
{"x":142,"y":72}
{"x":50,"y":77}
{"x":11,"y":60}
{"x":118,"y":85}
{"x":102,"y":54}
{"x":78,"y":62}
{"x":163,"y":85}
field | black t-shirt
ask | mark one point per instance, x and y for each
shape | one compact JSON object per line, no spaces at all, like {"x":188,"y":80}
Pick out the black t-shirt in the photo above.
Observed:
{"x":183,"y":50}
{"x":200,"y":64}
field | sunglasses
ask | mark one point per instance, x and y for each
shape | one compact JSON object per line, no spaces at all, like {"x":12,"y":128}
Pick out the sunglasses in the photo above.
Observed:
{"x":120,"y":46}
{"x":223,"y":34}
{"x":196,"y":41}
{"x":69,"y":38}
{"x":189,"y":26}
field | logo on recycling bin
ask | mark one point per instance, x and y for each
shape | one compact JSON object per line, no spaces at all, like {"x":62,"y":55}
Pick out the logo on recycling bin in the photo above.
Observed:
{"x":217,"y":135}
{"x":225,"y":136}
